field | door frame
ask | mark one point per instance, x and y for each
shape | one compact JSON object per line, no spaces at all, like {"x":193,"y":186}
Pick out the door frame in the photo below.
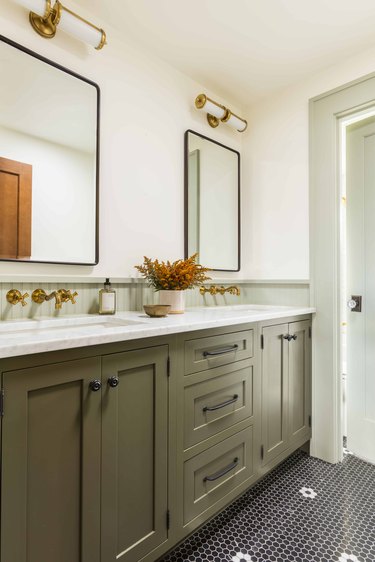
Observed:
{"x":326,"y":112}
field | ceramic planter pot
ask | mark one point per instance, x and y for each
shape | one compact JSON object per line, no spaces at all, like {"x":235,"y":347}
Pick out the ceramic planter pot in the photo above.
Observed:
{"x":176,"y":299}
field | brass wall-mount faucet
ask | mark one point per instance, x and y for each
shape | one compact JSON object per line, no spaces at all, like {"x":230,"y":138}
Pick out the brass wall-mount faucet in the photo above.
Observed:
{"x":214,"y":290}
{"x":62,"y":295}
{"x":14,"y":296}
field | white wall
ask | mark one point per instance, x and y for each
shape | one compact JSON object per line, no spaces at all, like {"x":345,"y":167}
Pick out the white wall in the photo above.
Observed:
{"x":63,"y":197}
{"x":146,"y":107}
{"x":275,"y":172}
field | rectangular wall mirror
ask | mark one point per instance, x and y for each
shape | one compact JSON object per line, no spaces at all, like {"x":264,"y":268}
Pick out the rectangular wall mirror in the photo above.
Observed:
{"x":49,"y":147}
{"x":212,"y":203}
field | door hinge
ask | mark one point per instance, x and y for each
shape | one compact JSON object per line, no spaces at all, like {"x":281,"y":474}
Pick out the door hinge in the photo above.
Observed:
{"x":309,"y":421}
{"x":262,"y":341}
{"x":168,"y":519}
{"x":169,"y":366}
{"x":309,"y":331}
{"x":1,"y":402}
{"x":262,"y":452}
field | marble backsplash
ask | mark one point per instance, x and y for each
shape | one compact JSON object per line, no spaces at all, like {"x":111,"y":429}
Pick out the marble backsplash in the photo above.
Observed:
{"x":131,"y":296}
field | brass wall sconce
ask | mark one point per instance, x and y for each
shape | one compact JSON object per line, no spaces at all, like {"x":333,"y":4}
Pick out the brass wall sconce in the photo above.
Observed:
{"x":217,"y":112}
{"x":45,"y":18}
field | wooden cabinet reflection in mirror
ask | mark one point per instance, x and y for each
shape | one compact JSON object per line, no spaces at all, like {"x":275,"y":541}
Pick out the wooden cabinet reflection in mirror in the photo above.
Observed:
{"x":15,"y":209}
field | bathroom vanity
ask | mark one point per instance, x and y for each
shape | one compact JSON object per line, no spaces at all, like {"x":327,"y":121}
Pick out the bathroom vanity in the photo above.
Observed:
{"x":120,"y":436}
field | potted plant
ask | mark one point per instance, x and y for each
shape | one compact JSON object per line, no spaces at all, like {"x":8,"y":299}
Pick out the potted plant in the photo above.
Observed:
{"x":171,"y":279}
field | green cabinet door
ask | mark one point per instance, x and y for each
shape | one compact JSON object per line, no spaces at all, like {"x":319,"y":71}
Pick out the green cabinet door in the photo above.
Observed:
{"x":134,"y":453}
{"x":50,"y":473}
{"x":299,"y":381}
{"x":275,"y":396}
{"x":286,"y":388}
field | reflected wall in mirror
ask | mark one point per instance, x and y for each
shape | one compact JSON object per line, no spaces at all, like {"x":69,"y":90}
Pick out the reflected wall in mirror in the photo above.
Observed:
{"x":49,"y":142}
{"x":212,"y":202}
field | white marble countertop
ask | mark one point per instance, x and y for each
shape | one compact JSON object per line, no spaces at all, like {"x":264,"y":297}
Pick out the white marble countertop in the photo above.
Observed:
{"x":24,"y":337}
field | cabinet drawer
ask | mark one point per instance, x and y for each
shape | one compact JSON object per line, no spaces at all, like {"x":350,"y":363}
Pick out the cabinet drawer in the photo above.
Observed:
{"x":214,"y":405}
{"x":206,"y":353}
{"x":210,"y":476}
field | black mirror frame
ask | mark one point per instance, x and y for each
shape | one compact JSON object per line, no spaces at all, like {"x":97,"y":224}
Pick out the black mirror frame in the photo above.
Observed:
{"x":79,"y":77}
{"x":186,"y":195}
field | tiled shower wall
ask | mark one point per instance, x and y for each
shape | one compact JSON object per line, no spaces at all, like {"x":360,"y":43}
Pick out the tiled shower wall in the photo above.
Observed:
{"x":131,"y":296}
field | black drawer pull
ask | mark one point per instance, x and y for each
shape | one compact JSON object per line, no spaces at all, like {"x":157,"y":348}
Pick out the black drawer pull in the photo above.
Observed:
{"x":220,"y":351}
{"x":294,"y":337}
{"x":222,"y":405}
{"x":288,"y":337}
{"x":222,"y":472}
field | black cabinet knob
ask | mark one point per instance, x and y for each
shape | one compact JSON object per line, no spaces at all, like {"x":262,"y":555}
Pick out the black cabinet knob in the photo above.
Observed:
{"x":287,"y":337}
{"x":113,"y":381}
{"x":294,"y":337}
{"x":95,"y":385}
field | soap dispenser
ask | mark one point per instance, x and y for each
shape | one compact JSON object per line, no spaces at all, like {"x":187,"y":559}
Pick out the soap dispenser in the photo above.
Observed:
{"x":107,"y":299}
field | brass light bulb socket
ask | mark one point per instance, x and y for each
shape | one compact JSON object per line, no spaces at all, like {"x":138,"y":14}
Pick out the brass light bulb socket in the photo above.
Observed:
{"x":46,"y":25}
{"x":227,"y":116}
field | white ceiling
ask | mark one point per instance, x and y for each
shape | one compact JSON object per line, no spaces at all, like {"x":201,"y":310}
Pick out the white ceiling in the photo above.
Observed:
{"x":244,"y":49}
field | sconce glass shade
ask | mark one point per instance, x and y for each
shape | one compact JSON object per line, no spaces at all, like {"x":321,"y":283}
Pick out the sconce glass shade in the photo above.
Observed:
{"x":45,"y":19}
{"x":81,"y":29}
{"x":39,"y":7}
{"x":212,"y":108}
{"x":235,"y":122}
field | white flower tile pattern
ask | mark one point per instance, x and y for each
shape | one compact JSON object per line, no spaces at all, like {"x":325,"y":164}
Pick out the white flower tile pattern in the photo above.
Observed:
{"x":240,"y":557}
{"x":308,"y":492}
{"x":272,"y":522}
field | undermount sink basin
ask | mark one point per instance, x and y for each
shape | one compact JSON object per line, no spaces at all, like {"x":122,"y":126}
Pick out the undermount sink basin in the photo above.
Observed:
{"x":80,"y":324}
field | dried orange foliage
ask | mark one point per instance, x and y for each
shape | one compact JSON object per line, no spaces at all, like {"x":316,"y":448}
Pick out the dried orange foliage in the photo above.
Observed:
{"x":176,"y":276}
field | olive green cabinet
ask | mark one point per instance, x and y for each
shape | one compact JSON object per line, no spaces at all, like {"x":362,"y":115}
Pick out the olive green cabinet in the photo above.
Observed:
{"x":50,"y":472}
{"x":134,"y":469}
{"x":84,"y":459}
{"x":99,"y":444}
{"x":286,"y":373}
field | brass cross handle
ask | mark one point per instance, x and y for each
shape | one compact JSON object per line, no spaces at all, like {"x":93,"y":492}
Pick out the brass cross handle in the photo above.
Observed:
{"x":71,"y":297}
{"x":66,"y":296}
{"x":14,"y":296}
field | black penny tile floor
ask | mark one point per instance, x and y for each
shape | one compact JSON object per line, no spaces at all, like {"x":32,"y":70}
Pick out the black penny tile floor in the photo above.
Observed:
{"x":305,"y":510}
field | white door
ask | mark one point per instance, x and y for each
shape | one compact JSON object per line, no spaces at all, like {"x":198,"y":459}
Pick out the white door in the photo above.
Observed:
{"x":361,"y":282}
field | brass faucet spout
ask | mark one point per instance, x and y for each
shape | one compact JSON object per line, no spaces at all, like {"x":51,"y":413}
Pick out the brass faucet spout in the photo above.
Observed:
{"x":57,"y":296}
